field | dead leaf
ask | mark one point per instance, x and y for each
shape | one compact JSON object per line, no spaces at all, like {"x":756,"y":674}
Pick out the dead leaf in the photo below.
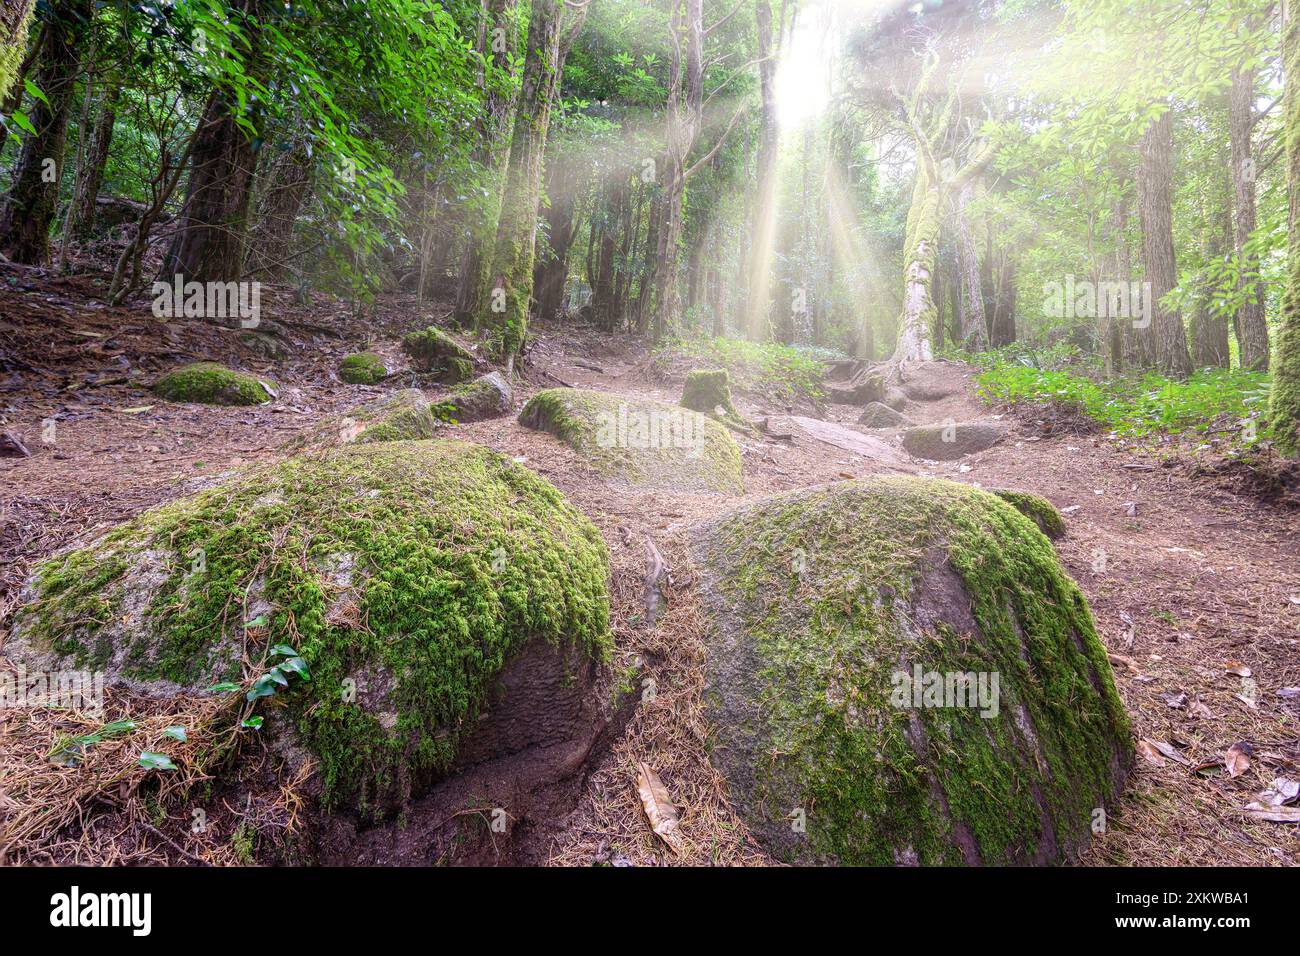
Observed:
{"x":1286,"y":693}
{"x":1282,"y":791}
{"x":1198,"y":709}
{"x":135,"y":411}
{"x":1235,"y":667}
{"x":1175,"y":701}
{"x":658,"y":806}
{"x":1248,"y":701}
{"x":1155,"y":752}
{"x":1275,"y":814}
{"x":1237,"y":760}
{"x":1119,"y":660}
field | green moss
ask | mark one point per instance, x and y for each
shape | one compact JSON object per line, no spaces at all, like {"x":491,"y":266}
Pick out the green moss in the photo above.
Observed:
{"x":709,"y":391}
{"x":434,"y":351}
{"x":835,"y":591}
{"x":639,"y":440}
{"x":409,"y":572}
{"x":1036,"y":508}
{"x":211,"y":384}
{"x":362,"y":368}
{"x":12,"y":46}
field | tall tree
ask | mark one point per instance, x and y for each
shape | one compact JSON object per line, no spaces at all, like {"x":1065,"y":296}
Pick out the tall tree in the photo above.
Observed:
{"x":30,"y":206}
{"x":1284,"y":403}
{"x":1252,"y":329}
{"x":1155,"y":208}
{"x":515,"y":249}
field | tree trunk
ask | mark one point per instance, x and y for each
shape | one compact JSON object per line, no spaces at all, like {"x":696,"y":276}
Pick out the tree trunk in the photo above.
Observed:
{"x":552,"y":269}
{"x":492,"y":153}
{"x":1155,"y":206}
{"x":30,"y":206}
{"x":921,"y":247}
{"x":81,"y":218}
{"x":1251,"y":327}
{"x":515,"y":248}
{"x":974,"y":326}
{"x":1209,"y":330}
{"x":1002,"y":329}
{"x":1284,"y":402}
{"x":288,"y":186}
{"x":762,"y":225}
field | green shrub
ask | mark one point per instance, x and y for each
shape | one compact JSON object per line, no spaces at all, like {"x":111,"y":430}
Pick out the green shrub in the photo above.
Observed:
{"x":781,"y":371}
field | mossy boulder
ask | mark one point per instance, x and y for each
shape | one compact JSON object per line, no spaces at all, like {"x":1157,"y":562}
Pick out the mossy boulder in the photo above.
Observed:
{"x":900,"y":672}
{"x":709,"y":391}
{"x":1036,"y":508}
{"x":404,"y":577}
{"x":362,"y":368}
{"x":951,"y":440}
{"x":209,"y":383}
{"x":435,"y":352}
{"x":639,"y":440}
{"x":486,"y":397}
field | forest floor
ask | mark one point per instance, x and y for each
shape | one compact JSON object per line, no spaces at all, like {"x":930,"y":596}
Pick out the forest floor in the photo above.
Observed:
{"x":1195,"y":587}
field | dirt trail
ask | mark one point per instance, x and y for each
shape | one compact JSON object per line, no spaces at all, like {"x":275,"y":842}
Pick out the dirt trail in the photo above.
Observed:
{"x":1195,"y":582}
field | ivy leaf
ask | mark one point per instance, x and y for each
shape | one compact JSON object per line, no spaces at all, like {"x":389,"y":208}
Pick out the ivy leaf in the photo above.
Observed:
{"x":296,"y":665}
{"x":156,"y":761}
{"x":251,"y":723}
{"x":176,"y":732}
{"x":265,"y":687}
{"x":285,"y":650}
{"x":225,"y":687}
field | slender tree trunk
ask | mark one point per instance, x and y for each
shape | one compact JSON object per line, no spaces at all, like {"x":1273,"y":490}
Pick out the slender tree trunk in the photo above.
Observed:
{"x":30,"y":206}
{"x":85,"y":195}
{"x":1251,"y":327}
{"x":974,"y":326}
{"x":552,"y":269}
{"x":289,"y":184}
{"x":492,"y":153}
{"x":1284,"y":403}
{"x":1209,"y":330}
{"x":512,"y":259}
{"x":762,"y":225}
{"x":1155,"y":204}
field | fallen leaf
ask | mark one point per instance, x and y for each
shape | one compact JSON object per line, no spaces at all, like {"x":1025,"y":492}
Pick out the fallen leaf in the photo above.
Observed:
{"x":1198,"y":709}
{"x":1155,"y":752}
{"x":1237,"y":760}
{"x":1281,"y":791}
{"x":1176,"y":701}
{"x":135,"y":411}
{"x":1248,"y":701}
{"x":1275,"y":814}
{"x":1288,"y":692}
{"x":658,"y":806}
{"x":1119,"y":660}
{"x":1241,"y":670}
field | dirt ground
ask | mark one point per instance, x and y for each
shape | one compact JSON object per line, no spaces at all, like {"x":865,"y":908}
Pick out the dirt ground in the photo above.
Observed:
{"x":1195,"y":588}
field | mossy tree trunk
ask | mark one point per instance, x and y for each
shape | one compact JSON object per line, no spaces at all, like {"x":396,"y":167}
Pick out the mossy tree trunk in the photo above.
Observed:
{"x":552,"y":269}
{"x":762,"y":223}
{"x":14,"y":20}
{"x":1284,"y":407}
{"x":515,"y":248}
{"x":1252,"y":329}
{"x":974,"y":324}
{"x":30,"y":206}
{"x":491,"y":153}
{"x":1155,"y":205}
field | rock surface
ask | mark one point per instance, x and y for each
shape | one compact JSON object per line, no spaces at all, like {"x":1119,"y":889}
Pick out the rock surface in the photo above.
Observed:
{"x":900,"y":672}
{"x":639,"y":440}
{"x":209,"y":383}
{"x":402,"y":577}
{"x":880,"y":415}
{"x":951,"y":440}
{"x":488,"y":396}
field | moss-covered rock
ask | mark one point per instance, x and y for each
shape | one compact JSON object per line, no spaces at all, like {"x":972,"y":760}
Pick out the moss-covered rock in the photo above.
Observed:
{"x":435,"y":352}
{"x":209,"y":383}
{"x":880,"y":415}
{"x":486,"y":397}
{"x":640,"y":440}
{"x":402,"y":416}
{"x":1036,"y":508}
{"x":709,"y":391}
{"x":845,"y":622}
{"x":362,"y":368}
{"x":403,"y":577}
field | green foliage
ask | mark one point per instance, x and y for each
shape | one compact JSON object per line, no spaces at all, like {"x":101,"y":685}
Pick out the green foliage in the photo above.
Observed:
{"x":779,"y":371}
{"x":1138,"y":406}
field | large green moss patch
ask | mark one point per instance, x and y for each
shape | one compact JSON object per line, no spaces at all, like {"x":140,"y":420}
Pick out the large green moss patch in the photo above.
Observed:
{"x":211,"y":384}
{"x":839,"y":619}
{"x":640,"y":441}
{"x":405,"y":575}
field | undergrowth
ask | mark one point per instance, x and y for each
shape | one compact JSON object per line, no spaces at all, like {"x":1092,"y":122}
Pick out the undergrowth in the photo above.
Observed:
{"x":783,"y":372}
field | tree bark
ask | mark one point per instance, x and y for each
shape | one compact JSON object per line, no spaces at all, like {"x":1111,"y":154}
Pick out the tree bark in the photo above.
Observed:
{"x":492,"y":153}
{"x":515,"y":248}
{"x":762,"y":225}
{"x":85,"y":195}
{"x":974,"y":325}
{"x":14,"y":20}
{"x":1155,"y":206}
{"x":1251,"y":327}
{"x":1209,"y":329}
{"x":1284,"y":401}
{"x":288,"y":185}
{"x":30,"y":206}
